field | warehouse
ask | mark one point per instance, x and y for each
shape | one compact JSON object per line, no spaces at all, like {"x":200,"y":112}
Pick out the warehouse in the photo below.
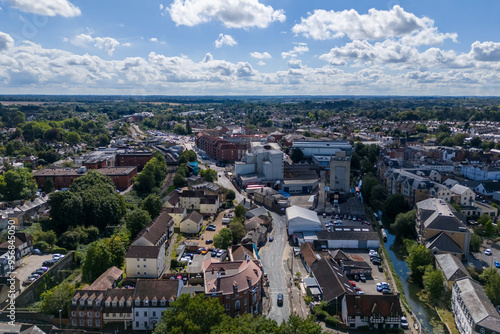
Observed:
{"x":346,"y":237}
{"x":301,"y":220}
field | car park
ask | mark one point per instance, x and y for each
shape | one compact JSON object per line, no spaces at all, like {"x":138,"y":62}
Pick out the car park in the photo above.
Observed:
{"x":487,"y":251}
{"x":280,"y":299}
{"x":404,"y":323}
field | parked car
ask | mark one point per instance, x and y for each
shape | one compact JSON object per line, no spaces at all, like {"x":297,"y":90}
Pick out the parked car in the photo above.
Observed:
{"x":352,"y":283}
{"x":271,"y":238}
{"x":214,"y":252}
{"x":209,"y":241}
{"x":210,"y":228}
{"x":372,"y":252}
{"x":381,"y":286}
{"x":357,"y":288}
{"x":280,"y":299}
{"x":487,"y":252}
{"x":219,"y":253}
{"x":37,"y":251}
{"x":404,"y":323}
{"x":362,"y":278}
{"x":360,"y":292}
{"x":39,"y":272}
{"x":497,"y":264}
{"x":386,"y":291}
{"x":48,"y":263}
{"x":324,"y":214}
{"x":376,"y":262}
{"x":57,"y":256}
{"x":43,"y":268}
{"x":380,"y":269}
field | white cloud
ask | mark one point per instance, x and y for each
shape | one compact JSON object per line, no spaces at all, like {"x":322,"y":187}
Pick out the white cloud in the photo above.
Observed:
{"x":232,"y":13}
{"x":261,"y":63}
{"x":225,"y":40}
{"x":127,"y":45}
{"x":299,"y":49}
{"x":294,"y":63}
{"x":46,"y":7}
{"x":153,"y":39}
{"x":6,"y":42}
{"x":107,"y":43}
{"x":377,"y":24}
{"x":428,"y":36}
{"x":260,"y":55}
{"x":486,"y":51}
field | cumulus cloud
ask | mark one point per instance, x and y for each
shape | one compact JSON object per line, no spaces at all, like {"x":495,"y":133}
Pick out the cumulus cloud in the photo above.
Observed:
{"x":486,"y":51}
{"x":260,"y":55}
{"x":261,"y":63}
{"x":377,"y":24}
{"x":233,"y":14}
{"x":299,"y":49}
{"x":46,"y":7}
{"x":107,"y":43}
{"x":225,"y":40}
{"x":153,"y":39}
{"x":6,"y":41}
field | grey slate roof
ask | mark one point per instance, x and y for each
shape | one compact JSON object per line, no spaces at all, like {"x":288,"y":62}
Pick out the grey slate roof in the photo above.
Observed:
{"x":443,"y":243}
{"x":451,"y":267}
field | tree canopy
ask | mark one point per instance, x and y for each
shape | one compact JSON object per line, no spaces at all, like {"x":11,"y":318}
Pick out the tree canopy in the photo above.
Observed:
{"x":224,"y":238}
{"x":17,"y":184}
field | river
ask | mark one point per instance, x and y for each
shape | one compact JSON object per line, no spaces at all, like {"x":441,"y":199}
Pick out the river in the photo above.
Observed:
{"x":423,"y":314}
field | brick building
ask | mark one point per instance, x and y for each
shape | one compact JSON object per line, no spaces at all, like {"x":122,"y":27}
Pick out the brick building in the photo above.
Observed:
{"x":237,"y":285}
{"x":221,"y":149}
{"x":137,"y":159}
{"x":122,"y":177}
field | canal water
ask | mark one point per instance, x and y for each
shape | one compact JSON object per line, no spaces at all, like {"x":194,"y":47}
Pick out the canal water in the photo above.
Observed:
{"x":424,"y":315}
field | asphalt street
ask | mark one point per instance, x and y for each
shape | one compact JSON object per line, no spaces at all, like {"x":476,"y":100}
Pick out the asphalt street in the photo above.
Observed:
{"x":274,"y":265}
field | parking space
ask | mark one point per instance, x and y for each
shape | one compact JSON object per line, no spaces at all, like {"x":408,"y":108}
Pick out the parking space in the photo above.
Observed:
{"x":30,"y":264}
{"x":370,"y":286}
{"x":209,"y":235}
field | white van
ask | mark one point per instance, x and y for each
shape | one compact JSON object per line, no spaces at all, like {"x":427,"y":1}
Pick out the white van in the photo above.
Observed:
{"x":225,"y":220}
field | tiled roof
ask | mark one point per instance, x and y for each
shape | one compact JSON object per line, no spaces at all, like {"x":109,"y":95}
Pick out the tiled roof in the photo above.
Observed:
{"x":308,"y":253}
{"x":107,"y":279}
{"x":367,"y":305}
{"x":331,"y":279}
{"x":451,"y":266}
{"x":225,"y":277}
{"x":146,"y":252}
{"x":156,"y":289}
{"x":443,"y":243}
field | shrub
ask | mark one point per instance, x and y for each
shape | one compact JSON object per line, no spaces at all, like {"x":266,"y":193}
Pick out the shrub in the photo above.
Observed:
{"x":59,"y":250}
{"x":321,"y":315}
{"x":331,"y":321}
{"x":42,"y":245}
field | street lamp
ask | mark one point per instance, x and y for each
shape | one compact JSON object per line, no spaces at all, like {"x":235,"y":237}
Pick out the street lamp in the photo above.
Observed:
{"x":60,"y":321}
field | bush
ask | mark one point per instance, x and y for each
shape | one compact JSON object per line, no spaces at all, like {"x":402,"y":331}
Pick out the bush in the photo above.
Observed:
{"x":174,"y":263}
{"x":59,"y":250}
{"x":331,"y":321}
{"x":43,"y":246}
{"x":322,"y":315}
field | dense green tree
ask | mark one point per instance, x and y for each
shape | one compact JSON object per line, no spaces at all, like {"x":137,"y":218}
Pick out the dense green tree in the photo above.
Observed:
{"x":79,"y":235}
{"x":145,"y":181}
{"x":153,"y":205}
{"x":17,"y":184}
{"x":434,"y":283}
{"x":179,"y":129}
{"x":297,"y":155}
{"x":97,"y":260}
{"x":246,"y":324}
{"x":394,"y":205}
{"x":189,"y":131}
{"x":72,"y":138}
{"x":223,"y":239}
{"x":188,"y":155}
{"x":239,"y":210}
{"x":208,"y":174}
{"x":238,"y":229}
{"x":475,"y":142}
{"x":418,"y":259}
{"x":378,"y":195}
{"x":191,"y":315}
{"x":369,"y":181}
{"x":489,"y":229}
{"x":491,"y":278}
{"x":483,"y":219}
{"x":475,"y":242}
{"x":404,"y":225}
{"x":136,"y":220}
{"x":102,"y":140}
{"x":179,"y":181}
{"x":230,"y":195}
{"x":57,"y":298}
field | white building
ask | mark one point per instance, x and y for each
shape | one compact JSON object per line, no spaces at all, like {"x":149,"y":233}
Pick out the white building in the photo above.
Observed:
{"x":301,"y":220}
{"x":481,"y":173}
{"x":151,"y":298}
{"x":466,"y":194}
{"x":474,"y":313}
{"x":319,"y":148}
{"x":263,"y":164}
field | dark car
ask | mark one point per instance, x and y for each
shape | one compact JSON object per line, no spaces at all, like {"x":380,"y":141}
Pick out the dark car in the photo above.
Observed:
{"x":362,"y":278}
{"x":380,"y":269}
{"x":214,"y":252}
{"x":49,"y":263}
{"x":280,"y":299}
{"x":209,"y":241}
{"x":387,"y":291}
{"x":376,"y":262}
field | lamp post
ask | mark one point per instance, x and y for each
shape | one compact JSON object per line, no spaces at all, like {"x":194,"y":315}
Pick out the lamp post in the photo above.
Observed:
{"x":60,"y":320}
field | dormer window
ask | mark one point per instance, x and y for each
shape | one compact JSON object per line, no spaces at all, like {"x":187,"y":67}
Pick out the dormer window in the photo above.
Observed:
{"x":89,"y":302}
{"x":97,"y":303}
{"x":114,"y":303}
{"x":121,"y":303}
{"x":137,"y":302}
{"x":146,"y":302}
{"x":162,"y":302}
{"x":153,"y":302}
{"x":73,"y":302}
{"x":82,"y":302}
{"x":107,"y":303}
{"x":129,"y":303}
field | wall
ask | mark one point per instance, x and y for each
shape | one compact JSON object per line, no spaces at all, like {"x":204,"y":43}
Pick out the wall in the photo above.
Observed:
{"x":32,"y":292}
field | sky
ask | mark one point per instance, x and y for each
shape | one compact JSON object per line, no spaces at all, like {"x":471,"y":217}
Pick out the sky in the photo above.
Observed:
{"x":250,"y":47}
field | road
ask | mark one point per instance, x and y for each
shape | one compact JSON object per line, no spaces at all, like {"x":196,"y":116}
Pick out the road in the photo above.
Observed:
{"x":272,"y":256}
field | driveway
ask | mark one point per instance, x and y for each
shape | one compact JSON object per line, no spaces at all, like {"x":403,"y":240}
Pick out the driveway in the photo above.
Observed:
{"x":272,"y":256}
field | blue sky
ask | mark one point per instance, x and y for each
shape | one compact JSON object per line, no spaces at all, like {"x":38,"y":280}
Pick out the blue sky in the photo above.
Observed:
{"x":250,"y":47}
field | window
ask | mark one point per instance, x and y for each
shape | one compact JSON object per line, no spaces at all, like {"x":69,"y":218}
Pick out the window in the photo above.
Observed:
{"x":114,"y":303}
{"x":144,"y":260}
{"x":97,"y":303}
{"x":144,"y":266}
{"x":146,"y":302}
{"x":137,"y":302}
{"x":81,"y":314}
{"x":138,"y":266}
{"x":89,"y":314}
{"x":121,"y":303}
{"x":129,"y":303}
{"x":137,"y":324}
{"x":82,"y":322}
{"x":145,"y":313}
{"x":114,"y":315}
{"x":153,"y":302}
{"x":98,"y":322}
{"x":89,"y":322}
{"x":121,"y":315}
{"x":162,"y":302}
{"x":73,"y":322}
{"x":73,"y":302}
{"x":237,"y":305}
{"x":107,"y":303}
{"x":89,"y":302}
{"x":146,"y":324}
{"x":82,"y":302}
{"x":245,"y":302}
{"x":145,"y":273}
{"x":154,"y":313}
{"x":136,"y":313}
{"x":138,"y":273}
{"x":138,"y":259}
{"x":97,"y":314}
{"x":227,"y":307}
{"x":73,"y":314}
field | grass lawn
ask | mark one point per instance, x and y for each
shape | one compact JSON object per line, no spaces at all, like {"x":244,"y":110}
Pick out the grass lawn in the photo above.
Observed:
{"x":447,"y":319}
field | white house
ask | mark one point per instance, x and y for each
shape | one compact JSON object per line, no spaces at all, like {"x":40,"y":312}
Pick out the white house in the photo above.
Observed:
{"x":192,"y":224}
{"x":466,"y":194}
